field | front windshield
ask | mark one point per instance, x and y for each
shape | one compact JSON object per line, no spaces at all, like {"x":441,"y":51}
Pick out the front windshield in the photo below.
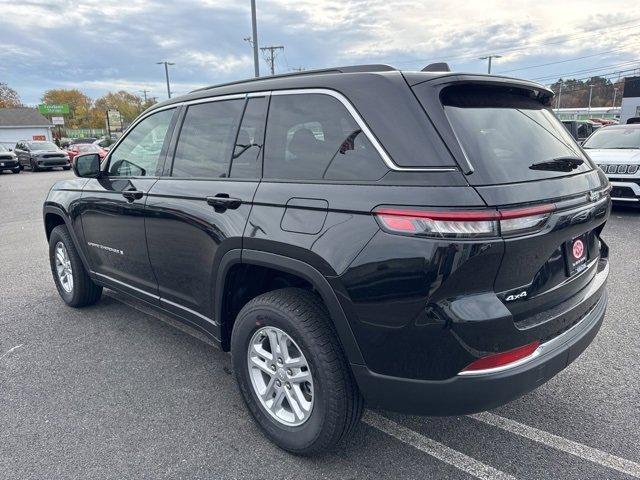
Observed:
{"x":42,"y":146}
{"x":623,"y":138}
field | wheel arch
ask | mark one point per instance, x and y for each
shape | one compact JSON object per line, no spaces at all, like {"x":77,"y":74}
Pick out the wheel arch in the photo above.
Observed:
{"x":53,"y":216}
{"x":288,"y":266}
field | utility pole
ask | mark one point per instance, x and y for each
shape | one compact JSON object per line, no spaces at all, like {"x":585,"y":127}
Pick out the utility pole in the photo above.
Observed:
{"x":615,"y":94}
{"x":489,"y":57}
{"x":166,"y":74}
{"x":271,"y":59}
{"x":254,"y":29}
{"x":559,"y":96}
{"x":590,"y":95}
{"x":144,"y":92}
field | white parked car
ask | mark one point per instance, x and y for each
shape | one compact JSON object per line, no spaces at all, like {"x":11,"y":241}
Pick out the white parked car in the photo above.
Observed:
{"x":616,"y":150}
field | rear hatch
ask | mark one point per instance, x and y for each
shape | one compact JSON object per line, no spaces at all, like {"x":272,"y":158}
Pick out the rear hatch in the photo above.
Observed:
{"x":517,"y":155}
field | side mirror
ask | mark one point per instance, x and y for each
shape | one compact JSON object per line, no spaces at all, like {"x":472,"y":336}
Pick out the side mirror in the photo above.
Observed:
{"x":87,"y":165}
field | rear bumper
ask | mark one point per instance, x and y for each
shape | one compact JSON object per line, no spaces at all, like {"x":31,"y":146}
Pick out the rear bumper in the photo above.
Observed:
{"x":464,"y":394}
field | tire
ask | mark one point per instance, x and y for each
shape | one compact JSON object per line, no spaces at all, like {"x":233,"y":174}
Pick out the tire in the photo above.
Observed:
{"x":83,"y":291}
{"x":34,"y":166}
{"x":16,"y":170}
{"x":336,"y":402}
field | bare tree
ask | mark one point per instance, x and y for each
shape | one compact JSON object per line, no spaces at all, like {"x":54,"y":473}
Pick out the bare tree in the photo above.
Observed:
{"x":9,"y":98}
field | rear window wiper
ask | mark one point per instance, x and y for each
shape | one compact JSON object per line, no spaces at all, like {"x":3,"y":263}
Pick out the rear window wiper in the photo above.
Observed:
{"x":560,"y":164}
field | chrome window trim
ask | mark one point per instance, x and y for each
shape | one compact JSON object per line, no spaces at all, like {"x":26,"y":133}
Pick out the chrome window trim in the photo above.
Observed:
{"x":107,"y":160}
{"x":188,"y":310}
{"x":302,"y":91}
{"x":363,"y":126}
{"x":156,"y":297}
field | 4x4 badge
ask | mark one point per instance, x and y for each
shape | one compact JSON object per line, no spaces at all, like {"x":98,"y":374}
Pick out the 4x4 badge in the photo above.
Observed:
{"x":516,"y":296}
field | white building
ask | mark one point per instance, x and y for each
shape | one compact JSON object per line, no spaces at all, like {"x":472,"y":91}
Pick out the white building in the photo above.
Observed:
{"x":23,"y":124}
{"x":585,"y":113}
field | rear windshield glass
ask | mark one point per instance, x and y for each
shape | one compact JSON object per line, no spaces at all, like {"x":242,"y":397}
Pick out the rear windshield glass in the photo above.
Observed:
{"x":505,"y":133}
{"x":616,"y":137}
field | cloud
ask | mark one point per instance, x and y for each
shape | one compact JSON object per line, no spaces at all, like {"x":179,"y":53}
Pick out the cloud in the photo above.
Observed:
{"x":104,"y":45}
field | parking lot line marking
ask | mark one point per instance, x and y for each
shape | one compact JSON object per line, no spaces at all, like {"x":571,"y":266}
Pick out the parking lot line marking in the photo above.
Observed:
{"x":436,"y":449}
{"x":10,"y":350}
{"x":560,"y":443}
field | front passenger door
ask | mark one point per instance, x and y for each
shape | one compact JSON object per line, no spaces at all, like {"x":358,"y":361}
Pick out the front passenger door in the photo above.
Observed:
{"x":112,"y":207}
{"x":199,"y":210}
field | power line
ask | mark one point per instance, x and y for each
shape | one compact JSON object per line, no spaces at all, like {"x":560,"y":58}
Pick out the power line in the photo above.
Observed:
{"x":604,"y":77}
{"x":559,"y":75}
{"x":563,"y":61}
{"x":568,"y":37}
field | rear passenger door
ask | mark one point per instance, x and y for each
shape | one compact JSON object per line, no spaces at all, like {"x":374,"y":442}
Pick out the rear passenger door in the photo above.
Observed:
{"x":198,"y":209}
{"x":319,"y":182}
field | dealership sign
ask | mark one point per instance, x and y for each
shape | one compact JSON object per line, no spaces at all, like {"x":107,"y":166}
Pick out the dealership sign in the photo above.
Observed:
{"x":59,"y":109}
{"x":57,"y":120}
{"x":114,"y":120}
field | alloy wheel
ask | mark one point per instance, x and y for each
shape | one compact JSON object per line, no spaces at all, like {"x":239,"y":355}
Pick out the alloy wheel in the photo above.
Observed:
{"x":63,"y":267}
{"x":280,"y":376}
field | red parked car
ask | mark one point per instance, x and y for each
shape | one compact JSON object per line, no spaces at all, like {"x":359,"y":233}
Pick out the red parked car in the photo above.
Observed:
{"x":78,"y":148}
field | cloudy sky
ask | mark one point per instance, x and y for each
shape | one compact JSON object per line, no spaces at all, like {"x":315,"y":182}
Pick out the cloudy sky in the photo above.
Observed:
{"x":102,"y":45}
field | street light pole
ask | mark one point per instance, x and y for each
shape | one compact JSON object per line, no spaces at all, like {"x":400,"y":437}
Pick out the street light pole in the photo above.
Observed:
{"x":615,"y":94}
{"x":166,"y":74}
{"x":590,"y":94}
{"x":489,"y":57}
{"x":254,"y":29}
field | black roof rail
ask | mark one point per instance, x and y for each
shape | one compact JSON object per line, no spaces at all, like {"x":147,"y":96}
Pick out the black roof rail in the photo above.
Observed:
{"x":345,"y":69}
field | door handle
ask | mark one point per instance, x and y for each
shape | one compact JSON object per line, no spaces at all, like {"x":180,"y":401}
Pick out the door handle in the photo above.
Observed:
{"x":222,"y":201}
{"x":132,"y":195}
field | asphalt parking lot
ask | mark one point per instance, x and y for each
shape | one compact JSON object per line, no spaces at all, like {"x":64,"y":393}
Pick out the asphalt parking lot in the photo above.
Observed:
{"x":117,"y":391}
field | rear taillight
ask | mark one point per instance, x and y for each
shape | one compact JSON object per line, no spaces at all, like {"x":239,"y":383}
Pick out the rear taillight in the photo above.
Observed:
{"x":510,"y":358}
{"x":462,"y":223}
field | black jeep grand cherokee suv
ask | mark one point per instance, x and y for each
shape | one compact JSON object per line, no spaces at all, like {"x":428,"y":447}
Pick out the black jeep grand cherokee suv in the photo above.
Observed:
{"x":424,"y":242}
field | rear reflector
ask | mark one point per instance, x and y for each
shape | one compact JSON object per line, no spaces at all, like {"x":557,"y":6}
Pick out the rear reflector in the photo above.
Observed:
{"x":503,"y":359}
{"x":462,"y":223}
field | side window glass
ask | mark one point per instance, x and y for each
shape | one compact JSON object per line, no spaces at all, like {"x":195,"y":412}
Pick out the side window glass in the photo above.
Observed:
{"x":314,"y":137}
{"x":246,"y":153}
{"x":583,"y":130}
{"x":138,"y":154}
{"x":207,"y":139}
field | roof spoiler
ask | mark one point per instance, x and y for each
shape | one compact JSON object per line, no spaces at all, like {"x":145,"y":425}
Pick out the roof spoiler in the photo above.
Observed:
{"x":437,"y":67}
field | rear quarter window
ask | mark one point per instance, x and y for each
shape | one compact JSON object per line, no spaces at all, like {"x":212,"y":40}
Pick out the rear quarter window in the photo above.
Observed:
{"x":504,"y":131}
{"x":314,"y":137}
